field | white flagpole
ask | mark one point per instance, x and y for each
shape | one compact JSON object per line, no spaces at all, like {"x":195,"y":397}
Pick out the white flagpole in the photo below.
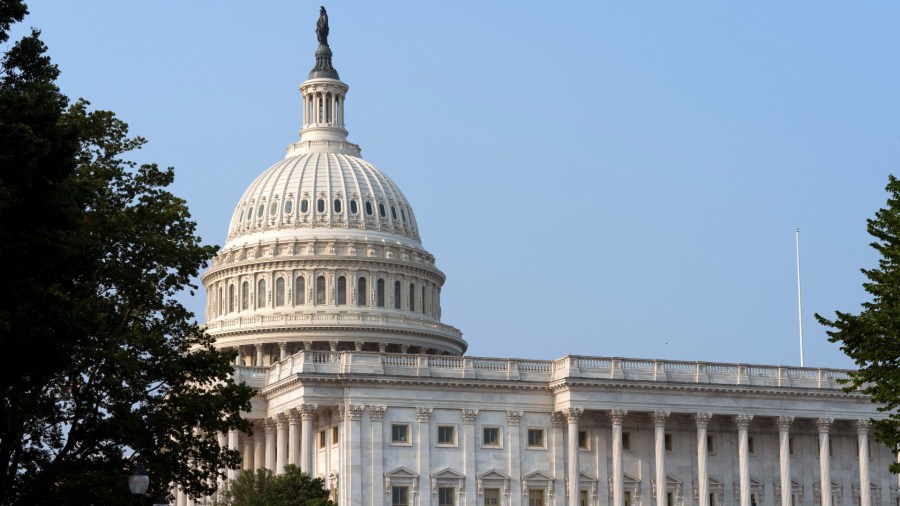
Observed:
{"x":799,"y":303}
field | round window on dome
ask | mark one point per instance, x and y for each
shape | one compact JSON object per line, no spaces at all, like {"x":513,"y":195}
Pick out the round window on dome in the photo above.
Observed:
{"x":381,"y":211}
{"x":353,"y":208}
{"x":369,"y":208}
{"x":261,"y":210}
{"x":288,"y":206}
{"x":304,"y":206}
{"x":337,"y":205}
{"x":320,"y":205}
{"x":394,"y":213}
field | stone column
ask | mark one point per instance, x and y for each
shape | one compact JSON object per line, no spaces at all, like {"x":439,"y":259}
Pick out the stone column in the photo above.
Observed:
{"x":308,"y":437}
{"x":513,"y":420}
{"x":271,"y":426}
{"x":659,"y":440}
{"x":423,"y":417}
{"x":702,"y":420}
{"x":468,"y":419}
{"x":376,"y":416}
{"x":618,"y":479}
{"x":282,"y":347}
{"x":353,"y":474}
{"x":784,"y":457}
{"x":280,"y":442}
{"x":572,"y":417}
{"x":233,"y":436}
{"x":248,"y":453}
{"x":824,"y":460}
{"x":743,"y":424}
{"x":862,"y":428}
{"x":259,"y":356}
{"x":293,"y":437}
{"x":259,"y":444}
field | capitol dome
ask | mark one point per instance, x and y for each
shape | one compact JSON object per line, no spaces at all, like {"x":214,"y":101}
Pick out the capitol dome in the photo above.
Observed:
{"x":323,"y":252}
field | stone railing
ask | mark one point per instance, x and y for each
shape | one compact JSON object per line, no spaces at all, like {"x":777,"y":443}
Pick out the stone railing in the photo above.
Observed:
{"x":544,"y":371}
{"x":331,"y":319}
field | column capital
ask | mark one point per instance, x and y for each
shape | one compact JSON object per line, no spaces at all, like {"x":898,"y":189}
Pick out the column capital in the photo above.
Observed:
{"x":376,"y":413}
{"x":271,"y":425}
{"x":784,"y":422}
{"x":423,"y":415}
{"x":824,"y":424}
{"x":281,"y":419}
{"x":743,"y":421}
{"x":513,"y":417}
{"x":293,"y":416}
{"x":258,"y":347}
{"x":469,"y":416}
{"x":702,"y":419}
{"x":659,"y":418}
{"x":282,"y":346}
{"x":616,"y":416}
{"x":863,"y":425}
{"x":572,"y":414}
{"x":259,"y":426}
{"x":307,"y":411}
{"x":558,"y":418}
{"x":354,"y":412}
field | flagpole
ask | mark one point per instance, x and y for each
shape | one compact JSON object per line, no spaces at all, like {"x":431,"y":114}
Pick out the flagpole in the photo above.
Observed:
{"x":799,"y":303}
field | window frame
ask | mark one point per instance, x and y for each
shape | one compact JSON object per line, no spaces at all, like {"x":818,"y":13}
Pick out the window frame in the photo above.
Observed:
{"x":453,"y":439}
{"x":587,"y":440}
{"x":407,"y":428}
{"x":499,"y":436}
{"x":542,"y":445}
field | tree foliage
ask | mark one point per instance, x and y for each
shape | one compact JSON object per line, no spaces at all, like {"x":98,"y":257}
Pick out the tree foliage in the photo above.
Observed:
{"x":872,"y":337}
{"x":103,"y":365}
{"x":262,"y":488}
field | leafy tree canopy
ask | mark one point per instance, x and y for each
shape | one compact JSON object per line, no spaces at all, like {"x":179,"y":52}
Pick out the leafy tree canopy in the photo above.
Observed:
{"x":262,"y":488}
{"x":872,"y":337}
{"x":103,"y":365}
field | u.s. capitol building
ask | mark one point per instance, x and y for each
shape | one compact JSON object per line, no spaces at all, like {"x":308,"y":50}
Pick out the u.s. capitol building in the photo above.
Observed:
{"x":325,"y":289}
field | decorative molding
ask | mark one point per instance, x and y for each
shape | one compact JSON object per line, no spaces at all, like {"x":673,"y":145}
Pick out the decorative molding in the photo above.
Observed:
{"x":469,"y":416}
{"x":616,"y":416}
{"x":559,"y":419}
{"x":513,"y":418}
{"x":307,"y":411}
{"x":784,"y":423}
{"x":743,"y":421}
{"x":354,"y":412}
{"x":376,"y":413}
{"x":702,"y":420}
{"x":824,"y":424}
{"x":423,"y":415}
{"x":863,"y":425}
{"x":659,"y":418}
{"x":573,"y":414}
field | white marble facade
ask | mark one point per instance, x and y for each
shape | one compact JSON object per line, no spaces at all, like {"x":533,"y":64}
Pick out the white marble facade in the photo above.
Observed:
{"x":333,"y":304}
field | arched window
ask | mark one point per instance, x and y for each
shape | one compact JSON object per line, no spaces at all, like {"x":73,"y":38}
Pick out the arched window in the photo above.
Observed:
{"x":353,"y":208}
{"x":423,"y":299}
{"x":221,"y":307}
{"x":412,"y":297}
{"x":320,"y":290}
{"x":300,"y":291}
{"x":368,"y":208}
{"x":337,"y":205}
{"x":341,"y":290}
{"x":396,"y":295}
{"x":245,"y":295}
{"x":230,"y":298}
{"x":379,"y":293}
{"x":393,"y":213}
{"x":381,"y":211}
{"x":362,"y":296}
{"x":279,"y":292}
{"x":261,"y":293}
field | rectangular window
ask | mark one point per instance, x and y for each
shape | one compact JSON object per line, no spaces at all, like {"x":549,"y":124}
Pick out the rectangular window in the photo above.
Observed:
{"x":751,"y":446}
{"x":535,"y":497}
{"x":712,"y":499}
{"x":627,"y":499}
{"x":626,"y":441}
{"x":490,"y":436}
{"x":791,"y":445}
{"x":535,"y":438}
{"x":322,"y":441}
{"x":399,"y":433}
{"x":583,"y":498}
{"x":446,"y":497}
{"x":334,"y":435}
{"x":491,"y":497}
{"x":670,"y":499}
{"x":399,"y":496}
{"x":667,"y":442}
{"x":447,"y":435}
{"x":710,"y":444}
{"x":584,"y":440}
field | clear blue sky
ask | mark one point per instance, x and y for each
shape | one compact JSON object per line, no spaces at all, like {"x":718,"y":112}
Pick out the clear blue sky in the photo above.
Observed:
{"x":615,"y":178}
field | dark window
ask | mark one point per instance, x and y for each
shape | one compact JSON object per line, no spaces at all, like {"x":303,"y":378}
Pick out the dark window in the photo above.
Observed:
{"x":400,"y":433}
{"x":320,"y":290}
{"x":379,"y":293}
{"x":261,"y":293}
{"x":288,"y":206}
{"x":230,"y":298}
{"x":279,"y":292}
{"x":381,"y":210}
{"x":300,"y":290}
{"x":446,"y":435}
{"x":320,"y":205}
{"x":353,"y":208}
{"x":412,"y":297}
{"x":362,"y":296}
{"x":536,"y":437}
{"x":394,"y":213}
{"x":396,"y":295}
{"x":260,"y":210}
{"x":423,"y":300}
{"x":337,"y":205}
{"x":490,"y":436}
{"x":369,"y":208}
{"x":583,"y":441}
{"x":245,"y":295}
{"x":304,"y":206}
{"x":341,"y":290}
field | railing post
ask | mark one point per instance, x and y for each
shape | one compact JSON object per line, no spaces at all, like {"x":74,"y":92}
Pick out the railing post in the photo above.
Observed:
{"x":659,"y":370}
{"x":512,"y":369}
{"x":616,"y":371}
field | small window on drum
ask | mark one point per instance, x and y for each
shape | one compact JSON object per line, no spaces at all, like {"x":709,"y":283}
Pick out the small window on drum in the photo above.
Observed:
{"x":381,"y":210}
{"x":320,"y":206}
{"x":304,"y":206}
{"x":353,"y":208}
{"x":369,"y":208}
{"x":394,"y":213}
{"x":249,"y":214}
{"x":403,"y":214}
{"x":288,"y":206}
{"x":337,"y":205}
{"x":260,"y":210}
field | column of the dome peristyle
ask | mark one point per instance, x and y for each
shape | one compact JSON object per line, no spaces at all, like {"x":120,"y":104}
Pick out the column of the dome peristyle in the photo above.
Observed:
{"x":824,"y":425}
{"x":743,"y":425}
{"x":323,"y":110}
{"x":659,"y":431}
{"x":784,"y":456}
{"x":615,"y":418}
{"x":702,"y":420}
{"x":572,"y":417}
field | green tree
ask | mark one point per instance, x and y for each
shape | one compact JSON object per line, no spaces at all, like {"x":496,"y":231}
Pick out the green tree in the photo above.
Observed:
{"x":872,"y":337}
{"x":103,"y":365}
{"x":262,"y":488}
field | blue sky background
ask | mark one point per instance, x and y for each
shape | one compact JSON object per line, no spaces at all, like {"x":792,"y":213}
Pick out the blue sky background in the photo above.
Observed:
{"x":595,"y":178}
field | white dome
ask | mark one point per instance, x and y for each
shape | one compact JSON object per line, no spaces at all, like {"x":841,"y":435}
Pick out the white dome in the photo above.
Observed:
{"x":323,"y":194}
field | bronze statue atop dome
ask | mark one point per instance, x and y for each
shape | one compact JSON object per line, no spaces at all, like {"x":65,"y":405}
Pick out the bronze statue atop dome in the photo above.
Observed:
{"x":322,"y":26}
